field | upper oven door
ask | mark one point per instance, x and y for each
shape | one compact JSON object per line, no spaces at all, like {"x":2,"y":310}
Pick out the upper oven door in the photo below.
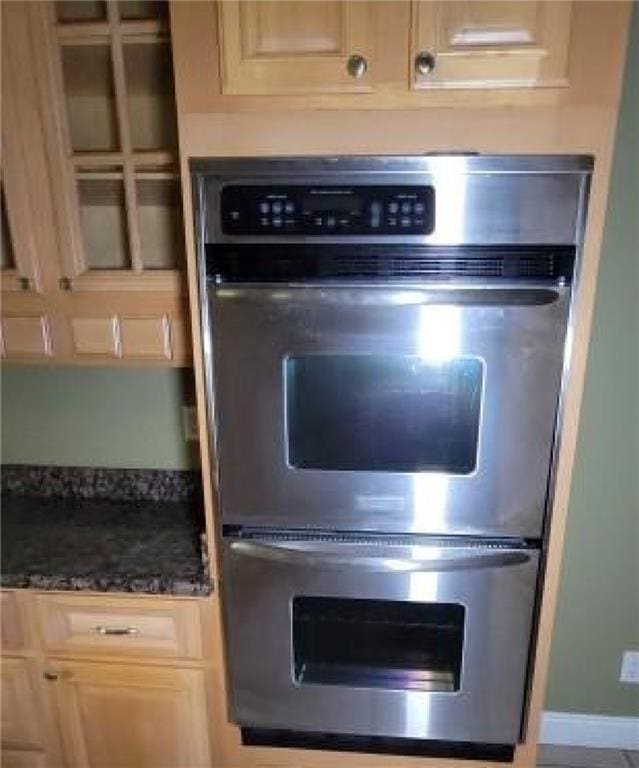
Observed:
{"x":397,"y":409}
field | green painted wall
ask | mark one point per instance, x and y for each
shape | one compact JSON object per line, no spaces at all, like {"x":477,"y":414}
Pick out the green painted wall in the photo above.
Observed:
{"x":598,"y":612}
{"x":95,"y":416}
{"x":131,"y":418}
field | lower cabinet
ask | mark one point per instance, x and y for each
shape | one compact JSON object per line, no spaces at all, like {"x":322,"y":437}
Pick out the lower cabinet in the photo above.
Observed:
{"x":21,"y":724}
{"x":23,"y":737}
{"x":97,"y":681}
{"x":125,"y":716}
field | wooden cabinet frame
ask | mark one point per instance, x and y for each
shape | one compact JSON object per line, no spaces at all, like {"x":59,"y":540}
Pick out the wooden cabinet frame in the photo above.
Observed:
{"x":578,"y":119}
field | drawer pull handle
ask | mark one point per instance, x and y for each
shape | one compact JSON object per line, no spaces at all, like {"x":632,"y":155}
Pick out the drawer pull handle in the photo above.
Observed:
{"x":102,"y":630}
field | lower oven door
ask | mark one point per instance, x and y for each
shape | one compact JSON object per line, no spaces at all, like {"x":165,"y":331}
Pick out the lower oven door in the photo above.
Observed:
{"x":417,"y":639}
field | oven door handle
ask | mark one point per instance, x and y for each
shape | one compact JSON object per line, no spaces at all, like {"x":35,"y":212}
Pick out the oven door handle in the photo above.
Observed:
{"x":449,"y":558}
{"x":497,"y":294}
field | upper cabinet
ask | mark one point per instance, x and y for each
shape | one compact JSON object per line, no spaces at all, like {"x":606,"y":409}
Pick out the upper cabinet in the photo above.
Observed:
{"x":91,"y":192}
{"x":295,"y":47}
{"x":113,"y":143}
{"x":477,"y":44}
{"x":389,"y":50}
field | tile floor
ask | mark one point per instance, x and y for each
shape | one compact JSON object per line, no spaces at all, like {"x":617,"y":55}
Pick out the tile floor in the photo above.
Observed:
{"x":582,"y":757}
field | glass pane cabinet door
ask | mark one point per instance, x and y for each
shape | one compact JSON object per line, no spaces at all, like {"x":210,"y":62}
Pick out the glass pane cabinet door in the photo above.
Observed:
{"x":117,"y":112}
{"x":90,"y":98}
{"x":104,"y":223}
{"x":80,"y":10}
{"x":109,"y":107}
{"x":160,"y":224}
{"x":149,"y":86}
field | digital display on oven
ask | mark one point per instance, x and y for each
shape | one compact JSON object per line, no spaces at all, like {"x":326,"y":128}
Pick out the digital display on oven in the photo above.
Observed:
{"x":335,"y":203}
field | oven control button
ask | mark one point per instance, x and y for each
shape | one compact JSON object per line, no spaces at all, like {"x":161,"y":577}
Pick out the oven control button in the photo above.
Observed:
{"x":419,"y":208}
{"x":405,"y":222}
{"x":393,"y":207}
{"x":264,"y":222}
{"x":264,"y":207}
{"x":289,"y":206}
{"x":406,"y":206}
{"x":277,"y":221}
{"x":392,"y":222}
{"x":318,"y":221}
{"x":276,"y":207}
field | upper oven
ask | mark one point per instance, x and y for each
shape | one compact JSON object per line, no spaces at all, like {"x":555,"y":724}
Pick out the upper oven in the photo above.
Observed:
{"x":386,"y":351}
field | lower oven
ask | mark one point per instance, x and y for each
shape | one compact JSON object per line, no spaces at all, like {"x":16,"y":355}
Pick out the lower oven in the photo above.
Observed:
{"x":407,"y":638}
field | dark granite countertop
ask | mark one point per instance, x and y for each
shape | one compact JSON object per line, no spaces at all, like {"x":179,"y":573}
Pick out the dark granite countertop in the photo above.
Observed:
{"x":79,"y":540}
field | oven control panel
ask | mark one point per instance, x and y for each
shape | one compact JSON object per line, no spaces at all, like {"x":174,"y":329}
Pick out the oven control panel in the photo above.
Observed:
{"x":327,"y":210}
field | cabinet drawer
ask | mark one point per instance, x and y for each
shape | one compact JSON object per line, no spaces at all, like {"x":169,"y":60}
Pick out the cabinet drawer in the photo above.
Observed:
{"x":12,"y":630}
{"x":101,"y":626}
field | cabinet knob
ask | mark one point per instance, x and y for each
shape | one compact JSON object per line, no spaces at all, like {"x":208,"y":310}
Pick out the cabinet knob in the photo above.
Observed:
{"x":50,"y":675}
{"x":356,"y":66}
{"x":424,"y":63}
{"x":25,"y":284}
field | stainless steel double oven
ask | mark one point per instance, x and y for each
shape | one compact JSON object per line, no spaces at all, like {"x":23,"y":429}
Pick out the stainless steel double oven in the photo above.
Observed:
{"x":385,"y":341}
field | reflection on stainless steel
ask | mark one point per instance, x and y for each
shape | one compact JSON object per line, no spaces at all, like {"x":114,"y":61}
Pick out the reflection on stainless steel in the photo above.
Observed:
{"x":385,"y":423}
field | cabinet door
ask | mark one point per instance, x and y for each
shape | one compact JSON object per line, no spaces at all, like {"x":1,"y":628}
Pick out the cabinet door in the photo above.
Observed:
{"x":118,"y":716}
{"x":299,"y":47}
{"x":480,"y":44}
{"x":107,"y":100}
{"x":21,"y":722}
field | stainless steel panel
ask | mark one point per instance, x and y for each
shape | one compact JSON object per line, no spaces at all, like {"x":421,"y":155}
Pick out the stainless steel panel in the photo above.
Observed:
{"x":496,"y":587}
{"x":518,"y":333}
{"x":479,"y":199}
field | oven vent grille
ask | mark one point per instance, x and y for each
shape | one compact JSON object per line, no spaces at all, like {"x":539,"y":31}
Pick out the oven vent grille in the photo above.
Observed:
{"x":282,"y":263}
{"x":541,"y":268}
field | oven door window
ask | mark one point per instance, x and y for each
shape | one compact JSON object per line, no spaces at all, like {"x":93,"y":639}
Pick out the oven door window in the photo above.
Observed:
{"x":378,"y":643}
{"x":383,"y":413}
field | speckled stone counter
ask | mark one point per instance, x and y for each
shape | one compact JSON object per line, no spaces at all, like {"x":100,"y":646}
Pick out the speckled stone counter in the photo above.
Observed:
{"x":102,"y":530}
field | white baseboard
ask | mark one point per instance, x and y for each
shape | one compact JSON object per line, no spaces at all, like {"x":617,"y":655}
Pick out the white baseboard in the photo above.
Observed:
{"x":565,"y":728}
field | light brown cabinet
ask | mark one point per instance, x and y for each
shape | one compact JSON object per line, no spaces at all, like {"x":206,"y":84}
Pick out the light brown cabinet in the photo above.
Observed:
{"x":119,"y":716}
{"x":93,"y":256}
{"x":489,"y":44}
{"x":21,"y":721}
{"x":293,"y":46}
{"x":97,"y":681}
{"x":319,"y":47}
